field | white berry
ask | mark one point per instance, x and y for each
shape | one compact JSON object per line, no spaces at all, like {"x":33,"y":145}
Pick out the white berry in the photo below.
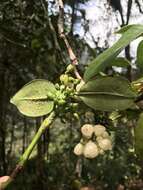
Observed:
{"x":99,"y":130}
{"x":105,"y":135}
{"x":105,"y":144}
{"x":87,"y":130}
{"x":90,"y":150}
{"x":99,"y":138}
{"x":78,"y":149}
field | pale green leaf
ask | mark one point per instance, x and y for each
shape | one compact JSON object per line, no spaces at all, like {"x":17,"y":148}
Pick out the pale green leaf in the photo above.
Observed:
{"x":108,"y":94}
{"x":125,"y":28}
{"x":140,"y":55}
{"x":104,"y":59}
{"x":33,"y":100}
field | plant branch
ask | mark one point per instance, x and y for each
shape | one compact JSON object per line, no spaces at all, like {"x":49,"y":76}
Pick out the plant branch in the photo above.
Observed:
{"x":72,"y":56}
{"x":53,"y":31}
{"x":46,"y":124}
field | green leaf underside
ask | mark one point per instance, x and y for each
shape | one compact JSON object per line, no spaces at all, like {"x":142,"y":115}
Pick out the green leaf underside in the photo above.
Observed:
{"x":32,"y":100}
{"x":104,"y":59}
{"x":140,"y":55}
{"x":125,"y":28}
{"x":139,"y":137}
{"x":108,"y":94}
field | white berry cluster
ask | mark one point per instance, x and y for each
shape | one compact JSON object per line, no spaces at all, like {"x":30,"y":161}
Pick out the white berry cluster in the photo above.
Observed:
{"x":95,"y":141}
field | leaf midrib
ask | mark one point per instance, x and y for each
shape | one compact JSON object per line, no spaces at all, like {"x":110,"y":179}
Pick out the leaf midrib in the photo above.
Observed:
{"x":105,"y":93}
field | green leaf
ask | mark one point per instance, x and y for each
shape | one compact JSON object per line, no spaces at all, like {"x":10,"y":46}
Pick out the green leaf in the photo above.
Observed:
{"x":125,"y":28}
{"x":140,"y":55}
{"x":33,"y":100}
{"x":119,"y":62}
{"x":104,"y":59}
{"x":108,"y":94}
{"x":139,"y":137}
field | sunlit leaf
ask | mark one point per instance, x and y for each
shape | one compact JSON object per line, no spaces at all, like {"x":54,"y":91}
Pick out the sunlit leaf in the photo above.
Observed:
{"x":33,"y":100}
{"x":108,"y":94}
{"x":138,"y":84}
{"x":125,"y":28}
{"x":140,"y":55}
{"x":104,"y":59}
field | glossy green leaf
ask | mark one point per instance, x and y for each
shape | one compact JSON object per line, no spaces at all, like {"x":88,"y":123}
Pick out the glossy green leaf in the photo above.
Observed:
{"x":139,"y":137}
{"x":104,"y":59}
{"x":119,"y":62}
{"x":108,"y":94}
{"x":33,"y":100}
{"x":140,"y":55}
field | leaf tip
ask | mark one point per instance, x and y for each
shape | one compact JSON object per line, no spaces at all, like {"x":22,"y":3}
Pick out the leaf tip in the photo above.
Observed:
{"x":12,"y":100}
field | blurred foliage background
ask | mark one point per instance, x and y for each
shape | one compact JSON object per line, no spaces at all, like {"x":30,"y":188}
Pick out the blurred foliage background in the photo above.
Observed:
{"x":31,"y":48}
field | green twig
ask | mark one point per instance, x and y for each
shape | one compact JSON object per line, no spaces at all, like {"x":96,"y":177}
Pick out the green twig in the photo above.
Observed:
{"x":46,"y":123}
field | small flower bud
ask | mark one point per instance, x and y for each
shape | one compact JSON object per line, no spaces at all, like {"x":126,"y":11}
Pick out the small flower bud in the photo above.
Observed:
{"x":71,"y":79}
{"x":76,"y":81}
{"x":57,"y":86}
{"x":78,"y":149}
{"x":101,"y":152}
{"x":64,"y":79}
{"x":89,"y":114}
{"x":70,"y":68}
{"x":105,"y":144}
{"x":90,"y":150}
{"x":99,"y":130}
{"x":87,"y":130}
{"x":76,"y":116}
{"x":62,"y":87}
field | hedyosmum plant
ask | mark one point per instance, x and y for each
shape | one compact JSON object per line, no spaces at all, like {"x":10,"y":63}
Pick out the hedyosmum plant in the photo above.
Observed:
{"x":99,"y":92}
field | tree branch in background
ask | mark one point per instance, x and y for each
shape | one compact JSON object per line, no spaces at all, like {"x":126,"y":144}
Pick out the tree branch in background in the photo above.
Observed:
{"x":129,"y":11}
{"x":53,"y":31}
{"x":139,"y":6}
{"x":13,"y":42}
{"x":45,"y":125}
{"x":116,"y":4}
{"x":72,"y":56}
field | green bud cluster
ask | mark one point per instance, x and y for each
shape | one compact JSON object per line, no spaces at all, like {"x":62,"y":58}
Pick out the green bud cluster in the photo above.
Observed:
{"x":96,"y":140}
{"x":66,"y":93}
{"x":68,"y":83}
